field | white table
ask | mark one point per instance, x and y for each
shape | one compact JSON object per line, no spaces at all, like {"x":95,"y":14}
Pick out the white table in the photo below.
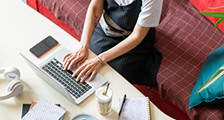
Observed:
{"x":21,"y":28}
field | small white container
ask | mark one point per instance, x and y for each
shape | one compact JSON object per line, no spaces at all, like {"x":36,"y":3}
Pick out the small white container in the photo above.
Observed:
{"x":104,"y":101}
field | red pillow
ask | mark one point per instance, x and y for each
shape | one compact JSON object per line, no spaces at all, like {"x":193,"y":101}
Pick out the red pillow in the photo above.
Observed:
{"x":206,"y":5}
{"x":72,"y":12}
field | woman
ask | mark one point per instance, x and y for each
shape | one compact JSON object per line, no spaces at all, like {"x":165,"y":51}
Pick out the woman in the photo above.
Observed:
{"x":124,"y":39}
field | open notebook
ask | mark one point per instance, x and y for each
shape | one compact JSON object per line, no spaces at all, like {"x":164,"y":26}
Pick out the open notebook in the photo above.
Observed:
{"x":135,"y":109}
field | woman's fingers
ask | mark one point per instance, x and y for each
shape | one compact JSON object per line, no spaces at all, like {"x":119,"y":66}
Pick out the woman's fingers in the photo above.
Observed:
{"x":79,"y":73}
{"x":87,"y":74}
{"x":84,"y":71}
{"x":74,"y":61}
{"x":80,"y":55}
{"x":81,"y":62}
{"x":88,"y":69}
{"x":67,"y":62}
{"x":67,"y":55}
{"x":92,"y":76}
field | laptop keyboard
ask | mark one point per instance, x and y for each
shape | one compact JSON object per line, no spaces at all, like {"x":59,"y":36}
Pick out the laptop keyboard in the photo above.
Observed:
{"x":55,"y":69}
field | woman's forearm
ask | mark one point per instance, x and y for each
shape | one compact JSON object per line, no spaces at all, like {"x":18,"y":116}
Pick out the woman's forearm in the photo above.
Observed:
{"x":93,"y":15}
{"x":134,"y":39}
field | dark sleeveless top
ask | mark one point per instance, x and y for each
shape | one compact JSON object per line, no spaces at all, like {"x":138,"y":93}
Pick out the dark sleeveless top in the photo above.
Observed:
{"x":141,"y":64}
{"x":125,"y":16}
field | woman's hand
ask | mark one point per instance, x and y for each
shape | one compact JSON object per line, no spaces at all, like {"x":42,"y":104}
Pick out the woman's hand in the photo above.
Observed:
{"x":88,"y":68}
{"x":78,"y":56}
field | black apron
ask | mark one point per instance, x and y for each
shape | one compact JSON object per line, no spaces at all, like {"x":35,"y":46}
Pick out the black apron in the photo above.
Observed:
{"x":141,"y":64}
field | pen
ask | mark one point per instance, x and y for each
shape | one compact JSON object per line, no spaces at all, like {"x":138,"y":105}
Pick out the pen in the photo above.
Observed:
{"x":122,"y":105}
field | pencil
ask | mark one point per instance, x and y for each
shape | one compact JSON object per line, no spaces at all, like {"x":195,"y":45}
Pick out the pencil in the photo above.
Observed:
{"x":122,"y":105}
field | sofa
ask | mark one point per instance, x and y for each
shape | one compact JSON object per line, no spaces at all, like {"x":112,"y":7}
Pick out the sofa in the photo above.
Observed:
{"x":184,"y":37}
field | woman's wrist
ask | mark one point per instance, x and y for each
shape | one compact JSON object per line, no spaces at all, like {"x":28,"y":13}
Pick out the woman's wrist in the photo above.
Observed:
{"x":84,"y":45}
{"x":100,"y":60}
{"x":84,"y":42}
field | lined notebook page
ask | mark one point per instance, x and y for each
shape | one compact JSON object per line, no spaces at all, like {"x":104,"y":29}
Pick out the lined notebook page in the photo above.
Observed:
{"x":44,"y":110}
{"x":135,"y":109}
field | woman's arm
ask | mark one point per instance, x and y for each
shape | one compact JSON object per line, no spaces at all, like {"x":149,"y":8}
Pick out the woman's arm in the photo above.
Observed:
{"x":93,"y":15}
{"x":134,"y":39}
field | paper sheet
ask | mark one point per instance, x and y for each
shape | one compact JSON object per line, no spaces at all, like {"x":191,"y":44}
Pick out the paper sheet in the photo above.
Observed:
{"x":44,"y":110}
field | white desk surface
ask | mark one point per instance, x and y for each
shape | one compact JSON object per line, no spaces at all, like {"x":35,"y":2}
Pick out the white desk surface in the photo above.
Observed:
{"x":21,"y":28}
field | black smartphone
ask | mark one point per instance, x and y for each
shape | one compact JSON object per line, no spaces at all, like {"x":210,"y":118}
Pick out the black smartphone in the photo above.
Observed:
{"x":43,"y":46}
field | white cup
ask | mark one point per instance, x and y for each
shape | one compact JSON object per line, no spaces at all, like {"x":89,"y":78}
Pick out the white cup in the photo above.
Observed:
{"x":104,"y":101}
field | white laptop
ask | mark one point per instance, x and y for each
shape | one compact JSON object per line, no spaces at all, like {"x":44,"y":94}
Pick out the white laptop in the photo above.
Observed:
{"x":52,"y":72}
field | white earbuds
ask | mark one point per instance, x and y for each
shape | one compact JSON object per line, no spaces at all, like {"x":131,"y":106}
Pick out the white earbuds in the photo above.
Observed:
{"x":15,"y":87}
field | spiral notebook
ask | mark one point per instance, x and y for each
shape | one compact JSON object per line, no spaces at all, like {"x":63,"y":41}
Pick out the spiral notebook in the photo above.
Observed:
{"x":44,"y":110}
{"x":135,"y":109}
